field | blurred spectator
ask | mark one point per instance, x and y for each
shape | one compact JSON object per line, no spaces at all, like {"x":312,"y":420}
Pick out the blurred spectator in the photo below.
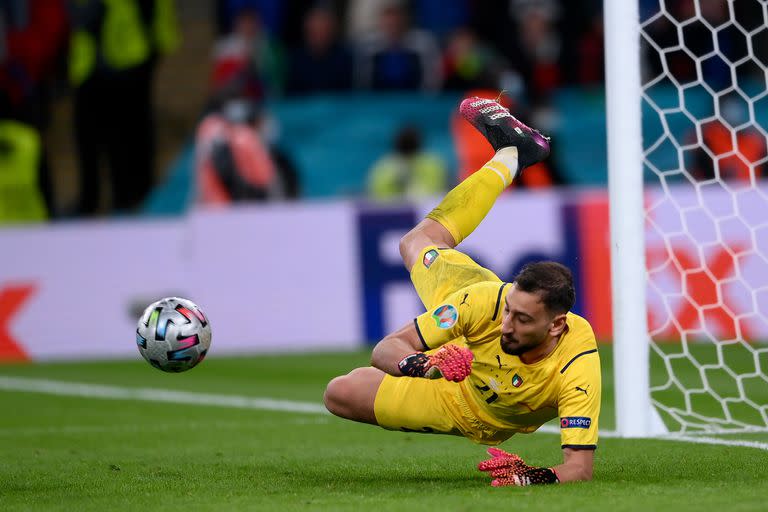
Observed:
{"x":292,"y":32}
{"x":247,"y":63}
{"x":20,"y":151}
{"x":362,"y":18}
{"x":470,"y":64}
{"x":290,"y":185}
{"x":322,"y":63}
{"x":409,"y":172}
{"x":287,"y":174}
{"x":719,"y":158}
{"x":439,"y":17}
{"x":493,"y":23}
{"x":114,"y":49}
{"x":232,"y":162}
{"x":538,"y":47}
{"x":32,"y":35}
{"x":580,"y":25}
{"x":591,"y":53}
{"x":590,"y":59}
{"x":397,"y":57}
{"x":270,"y":13}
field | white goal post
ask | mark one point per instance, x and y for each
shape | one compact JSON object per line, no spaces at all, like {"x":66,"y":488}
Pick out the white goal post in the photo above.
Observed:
{"x":687,"y":124}
{"x":625,"y":189}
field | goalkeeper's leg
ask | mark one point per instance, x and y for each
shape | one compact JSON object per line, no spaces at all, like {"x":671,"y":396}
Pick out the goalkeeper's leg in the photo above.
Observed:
{"x":463,"y":208}
{"x":352,"y":396}
{"x":407,"y":404}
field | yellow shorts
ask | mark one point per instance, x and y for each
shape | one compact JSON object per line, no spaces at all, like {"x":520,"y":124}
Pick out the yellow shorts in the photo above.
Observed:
{"x":440,"y":272}
{"x":436,"y":406}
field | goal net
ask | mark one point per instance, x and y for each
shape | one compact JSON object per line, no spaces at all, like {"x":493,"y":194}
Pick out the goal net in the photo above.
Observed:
{"x":704,"y":118}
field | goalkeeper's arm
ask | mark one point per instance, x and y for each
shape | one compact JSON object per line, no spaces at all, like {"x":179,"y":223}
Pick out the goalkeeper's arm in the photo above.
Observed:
{"x":401,"y":353}
{"x":509,"y":469}
{"x":577,"y":465}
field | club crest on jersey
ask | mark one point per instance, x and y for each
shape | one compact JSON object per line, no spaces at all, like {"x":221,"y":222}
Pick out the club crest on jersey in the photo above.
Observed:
{"x":575,"y":422}
{"x":445,"y":316}
{"x":517,"y":381}
{"x":430,"y":257}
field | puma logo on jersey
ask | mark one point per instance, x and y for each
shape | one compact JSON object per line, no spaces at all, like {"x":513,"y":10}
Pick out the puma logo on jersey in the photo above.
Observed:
{"x":583,"y":389}
{"x":464,"y":300}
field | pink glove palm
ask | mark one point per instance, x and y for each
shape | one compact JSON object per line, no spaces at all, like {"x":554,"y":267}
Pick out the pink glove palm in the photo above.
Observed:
{"x":451,"y":362}
{"x":509,"y":469}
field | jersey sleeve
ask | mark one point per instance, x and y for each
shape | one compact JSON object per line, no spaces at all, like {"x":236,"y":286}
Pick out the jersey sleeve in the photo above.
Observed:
{"x":463,"y":313}
{"x":579,"y":401}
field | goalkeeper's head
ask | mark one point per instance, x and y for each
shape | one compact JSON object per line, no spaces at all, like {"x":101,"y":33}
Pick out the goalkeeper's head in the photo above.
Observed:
{"x":535,"y":308}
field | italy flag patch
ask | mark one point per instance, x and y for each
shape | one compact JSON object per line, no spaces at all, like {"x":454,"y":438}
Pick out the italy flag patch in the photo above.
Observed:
{"x":430,"y":257}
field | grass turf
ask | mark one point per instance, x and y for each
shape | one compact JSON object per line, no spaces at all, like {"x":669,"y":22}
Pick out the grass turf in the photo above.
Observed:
{"x":71,"y":453}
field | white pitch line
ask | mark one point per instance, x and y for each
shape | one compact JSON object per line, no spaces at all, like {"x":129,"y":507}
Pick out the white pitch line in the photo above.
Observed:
{"x":612,"y":434}
{"x":715,"y":440}
{"x":154,"y":427}
{"x":54,"y":387}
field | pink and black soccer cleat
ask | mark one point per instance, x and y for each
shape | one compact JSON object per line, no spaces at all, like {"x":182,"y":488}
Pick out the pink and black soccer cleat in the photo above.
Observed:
{"x":502,"y":129}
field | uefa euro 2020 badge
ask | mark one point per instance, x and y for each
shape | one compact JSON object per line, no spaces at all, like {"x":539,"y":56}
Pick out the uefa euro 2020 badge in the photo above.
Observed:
{"x":446,"y":316}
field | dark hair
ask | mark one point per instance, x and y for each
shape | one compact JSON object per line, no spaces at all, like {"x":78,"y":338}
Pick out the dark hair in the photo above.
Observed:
{"x":552,"y":281}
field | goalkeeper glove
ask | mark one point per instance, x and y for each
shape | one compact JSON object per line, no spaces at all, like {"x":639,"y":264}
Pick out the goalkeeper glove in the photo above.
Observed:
{"x":452,"y":362}
{"x":509,"y":469}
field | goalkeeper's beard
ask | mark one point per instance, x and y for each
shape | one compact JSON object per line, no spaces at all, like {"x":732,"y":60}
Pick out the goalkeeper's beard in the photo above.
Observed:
{"x":514,"y":347}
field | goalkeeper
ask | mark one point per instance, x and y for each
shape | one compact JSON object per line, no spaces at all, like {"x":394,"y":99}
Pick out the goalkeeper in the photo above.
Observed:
{"x":487,"y":359}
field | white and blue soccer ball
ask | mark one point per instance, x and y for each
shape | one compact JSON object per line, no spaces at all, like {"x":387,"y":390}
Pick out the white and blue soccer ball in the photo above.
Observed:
{"x":173,"y":334}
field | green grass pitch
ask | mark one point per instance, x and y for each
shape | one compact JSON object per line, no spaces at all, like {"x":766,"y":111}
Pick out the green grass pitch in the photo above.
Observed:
{"x":74,"y":453}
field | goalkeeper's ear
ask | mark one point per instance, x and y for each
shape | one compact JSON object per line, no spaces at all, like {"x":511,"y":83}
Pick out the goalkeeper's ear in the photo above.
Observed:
{"x":557,"y":327}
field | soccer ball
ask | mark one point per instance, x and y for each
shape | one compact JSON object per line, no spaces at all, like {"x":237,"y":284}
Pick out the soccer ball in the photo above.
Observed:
{"x":173,"y":334}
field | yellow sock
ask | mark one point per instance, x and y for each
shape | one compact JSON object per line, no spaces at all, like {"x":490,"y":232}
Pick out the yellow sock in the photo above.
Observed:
{"x":464,"y":207}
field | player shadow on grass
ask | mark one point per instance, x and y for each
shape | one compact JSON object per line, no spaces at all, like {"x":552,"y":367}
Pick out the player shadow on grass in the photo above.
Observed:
{"x":380,"y":471}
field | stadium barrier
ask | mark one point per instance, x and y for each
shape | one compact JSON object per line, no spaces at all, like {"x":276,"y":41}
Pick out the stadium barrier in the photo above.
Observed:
{"x":367,"y":123}
{"x":327,"y":275}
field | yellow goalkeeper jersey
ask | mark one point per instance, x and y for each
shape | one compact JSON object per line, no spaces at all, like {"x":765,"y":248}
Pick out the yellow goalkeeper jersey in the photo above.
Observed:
{"x":506,"y":393}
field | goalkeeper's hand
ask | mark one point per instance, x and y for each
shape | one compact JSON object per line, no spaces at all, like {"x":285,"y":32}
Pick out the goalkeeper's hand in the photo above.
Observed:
{"x":451,"y":362}
{"x":509,"y":469}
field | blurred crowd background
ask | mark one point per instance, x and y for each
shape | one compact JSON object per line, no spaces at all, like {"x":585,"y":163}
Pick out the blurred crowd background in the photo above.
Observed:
{"x":123,"y":107}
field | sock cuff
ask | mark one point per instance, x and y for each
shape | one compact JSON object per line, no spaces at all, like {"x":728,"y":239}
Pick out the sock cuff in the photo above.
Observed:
{"x":508,"y":158}
{"x":501,"y":170}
